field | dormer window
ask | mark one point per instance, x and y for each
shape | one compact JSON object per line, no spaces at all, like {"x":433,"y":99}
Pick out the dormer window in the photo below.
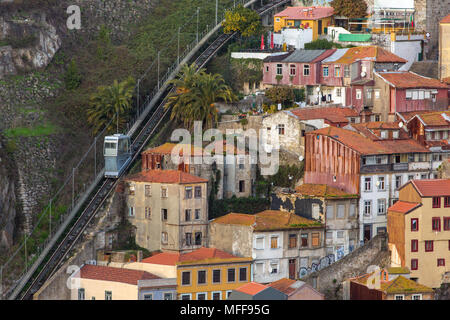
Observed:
{"x":395,"y":134}
{"x":383,"y":134}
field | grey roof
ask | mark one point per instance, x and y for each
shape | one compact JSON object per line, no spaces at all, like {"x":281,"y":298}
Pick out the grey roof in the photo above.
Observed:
{"x":277,"y":57}
{"x":335,"y":56}
{"x":303,"y":55}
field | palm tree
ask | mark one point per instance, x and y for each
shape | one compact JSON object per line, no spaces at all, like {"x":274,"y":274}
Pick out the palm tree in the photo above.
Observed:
{"x":195,"y":96}
{"x":111,"y":103}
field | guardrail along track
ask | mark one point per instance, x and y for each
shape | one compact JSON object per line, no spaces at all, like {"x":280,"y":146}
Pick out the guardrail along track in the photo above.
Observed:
{"x":56,"y":255}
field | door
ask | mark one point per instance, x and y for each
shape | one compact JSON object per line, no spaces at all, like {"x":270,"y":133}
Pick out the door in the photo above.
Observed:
{"x":367,"y":232}
{"x":319,"y":31}
{"x":292,"y":269}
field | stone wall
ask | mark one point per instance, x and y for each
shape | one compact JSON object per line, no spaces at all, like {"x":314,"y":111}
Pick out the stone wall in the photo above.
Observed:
{"x":329,"y":279}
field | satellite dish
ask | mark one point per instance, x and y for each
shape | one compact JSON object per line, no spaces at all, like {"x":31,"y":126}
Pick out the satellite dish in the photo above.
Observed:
{"x":300,"y":158}
{"x":400,"y":124}
{"x":363,"y":74}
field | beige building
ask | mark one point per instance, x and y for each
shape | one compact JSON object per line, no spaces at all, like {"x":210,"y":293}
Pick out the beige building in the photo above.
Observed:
{"x":419,"y":230}
{"x":444,"y":48}
{"x":168,"y":208}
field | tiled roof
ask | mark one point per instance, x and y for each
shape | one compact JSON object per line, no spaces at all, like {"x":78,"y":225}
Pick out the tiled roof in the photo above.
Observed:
{"x":403,"y":206}
{"x":372,"y":53}
{"x":123,"y":275}
{"x":166,"y":148}
{"x":164,"y":258}
{"x":165,"y":176}
{"x":277,"y":57}
{"x":202,"y":255}
{"x":311,"y":13}
{"x":283,"y":285}
{"x":404,"y":285}
{"x":366,"y":146}
{"x":432,"y":187}
{"x":323,"y":190}
{"x":331,"y":114}
{"x":252,"y":288}
{"x":398,"y":270}
{"x":446,"y":19}
{"x":303,"y":55}
{"x":406,"y":80}
{"x":269,"y":220}
{"x":335,"y":56}
{"x":372,"y":130}
{"x":430,"y":118}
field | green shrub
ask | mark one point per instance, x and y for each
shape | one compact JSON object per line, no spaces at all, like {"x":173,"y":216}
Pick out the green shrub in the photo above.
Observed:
{"x":72,"y":78}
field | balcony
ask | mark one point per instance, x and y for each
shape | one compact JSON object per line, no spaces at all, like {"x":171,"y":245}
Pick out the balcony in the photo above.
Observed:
{"x":375,"y":168}
{"x":400,"y":166}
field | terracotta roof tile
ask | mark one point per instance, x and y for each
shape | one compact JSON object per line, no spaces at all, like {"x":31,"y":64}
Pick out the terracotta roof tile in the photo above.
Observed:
{"x":166,"y":148}
{"x":398,"y":285}
{"x":372,"y":130}
{"x":372,"y":53}
{"x":330,"y":114}
{"x":252,"y":288}
{"x":432,"y":187}
{"x":283,"y":285}
{"x":165,"y":176}
{"x":123,"y":275}
{"x":406,"y":80}
{"x":398,"y":270}
{"x":446,"y":19}
{"x":298,"y":13}
{"x":269,"y":220}
{"x":164,"y":258}
{"x":323,"y":190}
{"x":404,"y":207}
{"x":432,"y":118}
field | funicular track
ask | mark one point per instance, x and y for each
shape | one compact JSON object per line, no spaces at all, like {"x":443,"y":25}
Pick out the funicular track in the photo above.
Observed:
{"x":57,"y":254}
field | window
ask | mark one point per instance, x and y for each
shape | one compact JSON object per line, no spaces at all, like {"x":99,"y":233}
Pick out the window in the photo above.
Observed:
{"x":131,"y":190}
{"x":436,"y":224}
{"x":274,"y":242}
{"x":241,"y":163}
{"x":337,"y":71}
{"x":280,"y":128}
{"x":164,"y":214}
{"x":198,"y":192}
{"x":81,"y":294}
{"x":188,"y":192}
{"x":186,"y":296}
{"x":201,"y":296}
{"x":330,"y":212}
{"x":216,"y":276}
{"x":367,"y":184}
{"x":358,"y":94}
{"x":346,"y":71}
{"x":228,"y":292}
{"x":415,"y":224}
{"x":216,"y":295}
{"x":188,"y":238}
{"x":416,"y":297}
{"x":267,"y":68}
{"x":414,"y":245}
{"x":186,"y":278}
{"x":399,"y":297}
{"x":292,"y":70}
{"x":148,"y":296}
{"x":446,"y":223}
{"x":352,"y":211}
{"x":340,"y":211}
{"x":241,"y":186}
{"x":197,"y":214}
{"x":339,"y":94}
{"x":381,"y":207}
{"x":164,"y":237}
{"x":429,"y":246}
{"x":163,"y":192}
{"x":198,"y":238}
{"x":367,"y":207}
{"x":423,"y":176}
{"x":381,"y":230}
{"x":131,"y":212}
{"x":340,"y":234}
{"x":414,"y":264}
{"x":259,"y":243}
{"x":377,"y":94}
{"x":369,"y":95}
{"x":243,"y":274}
{"x":381,"y":185}
{"x":306,"y":70}
{"x":441,"y":262}
{"x":187,"y":215}
{"x":325,"y":71}
{"x":108,"y":295}
{"x":398,"y":182}
{"x":231,"y":275}
{"x":410,"y":177}
{"x":274,"y":267}
{"x":315,"y":239}
{"x":201,"y":277}
{"x":408,"y":94}
{"x":292,"y":241}
{"x":436,"y":202}
{"x":147,"y":190}
{"x":304,"y":238}
{"x":148,"y":213}
{"x":279,"y":69}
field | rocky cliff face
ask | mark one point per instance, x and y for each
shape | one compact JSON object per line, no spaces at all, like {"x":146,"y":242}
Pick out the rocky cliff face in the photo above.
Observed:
{"x":8,"y":203}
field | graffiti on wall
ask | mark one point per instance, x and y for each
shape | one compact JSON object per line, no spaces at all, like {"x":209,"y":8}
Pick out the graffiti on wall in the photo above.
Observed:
{"x":322,"y":263}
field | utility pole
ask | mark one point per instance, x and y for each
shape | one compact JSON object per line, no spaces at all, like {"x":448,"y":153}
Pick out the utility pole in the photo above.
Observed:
{"x":178,"y":54}
{"x":73,"y":188}
{"x":198,"y":11}
{"x":217,"y":9}
{"x":159,"y":53}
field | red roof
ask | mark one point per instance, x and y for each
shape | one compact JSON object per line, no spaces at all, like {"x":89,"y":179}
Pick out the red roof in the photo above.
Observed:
{"x":252,"y":288}
{"x":406,"y":80}
{"x":114,"y":274}
{"x":372,"y":53}
{"x":306,"y":13}
{"x":404,"y":207}
{"x":283,"y":285}
{"x":165,"y":176}
{"x":165,"y":258}
{"x":446,"y":19}
{"x":330,"y":114}
{"x":432,"y":187}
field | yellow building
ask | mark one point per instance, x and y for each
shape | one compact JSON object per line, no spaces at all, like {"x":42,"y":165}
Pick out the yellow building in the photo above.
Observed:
{"x":206,"y":273}
{"x":419,"y":230}
{"x":316,"y":18}
{"x":444,"y":48}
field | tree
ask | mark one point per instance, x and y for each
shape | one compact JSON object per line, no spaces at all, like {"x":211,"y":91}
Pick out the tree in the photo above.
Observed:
{"x":72,"y":77}
{"x":349,"y":8}
{"x":280,"y":94}
{"x":195,"y":96}
{"x":111,"y":102}
{"x":246,"y":21}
